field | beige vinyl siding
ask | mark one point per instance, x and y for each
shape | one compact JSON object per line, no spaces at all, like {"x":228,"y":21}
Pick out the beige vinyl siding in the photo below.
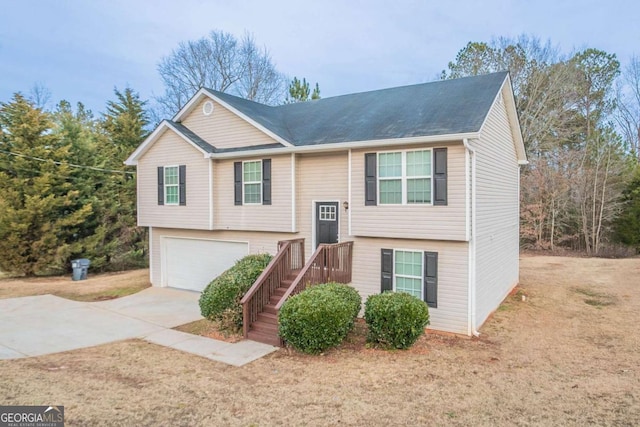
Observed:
{"x":321,"y":178}
{"x":273,"y":218}
{"x":259,"y":242}
{"x":171,"y":150}
{"x":224,"y":129}
{"x":497,"y":216}
{"x":452,"y":312}
{"x":411,"y":221}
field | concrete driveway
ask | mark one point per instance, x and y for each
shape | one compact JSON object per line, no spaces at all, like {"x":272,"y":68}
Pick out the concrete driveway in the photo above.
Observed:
{"x":44,"y":324}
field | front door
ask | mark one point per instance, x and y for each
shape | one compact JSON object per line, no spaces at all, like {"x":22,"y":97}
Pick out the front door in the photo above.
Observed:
{"x":326,"y":222}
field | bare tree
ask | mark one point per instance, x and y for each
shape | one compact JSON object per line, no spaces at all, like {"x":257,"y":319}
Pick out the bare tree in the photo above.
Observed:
{"x":40,"y":95}
{"x":628,"y":114}
{"x":221,"y":63}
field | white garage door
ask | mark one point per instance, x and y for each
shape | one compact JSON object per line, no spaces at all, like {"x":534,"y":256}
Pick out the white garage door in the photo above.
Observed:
{"x":193,"y":263}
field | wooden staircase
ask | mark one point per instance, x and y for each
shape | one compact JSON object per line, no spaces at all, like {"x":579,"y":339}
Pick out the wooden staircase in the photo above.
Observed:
{"x":286,"y":275}
{"x":265,"y":328}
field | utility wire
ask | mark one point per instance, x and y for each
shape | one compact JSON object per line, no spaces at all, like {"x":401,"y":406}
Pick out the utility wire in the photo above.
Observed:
{"x":67,"y":164}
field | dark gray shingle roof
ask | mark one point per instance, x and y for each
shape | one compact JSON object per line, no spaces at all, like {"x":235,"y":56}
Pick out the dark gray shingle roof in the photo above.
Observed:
{"x":193,"y":137}
{"x":439,"y":108}
{"x":188,"y":133}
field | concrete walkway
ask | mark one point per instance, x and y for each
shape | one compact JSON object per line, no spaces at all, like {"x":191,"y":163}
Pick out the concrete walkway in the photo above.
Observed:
{"x":45,"y":324}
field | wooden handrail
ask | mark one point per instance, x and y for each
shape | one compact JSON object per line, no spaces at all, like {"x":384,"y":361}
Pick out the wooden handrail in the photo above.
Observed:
{"x":330,"y":262}
{"x":290,"y":257}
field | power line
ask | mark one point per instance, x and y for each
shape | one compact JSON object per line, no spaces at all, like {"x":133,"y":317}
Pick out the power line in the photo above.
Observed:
{"x":72,"y":165}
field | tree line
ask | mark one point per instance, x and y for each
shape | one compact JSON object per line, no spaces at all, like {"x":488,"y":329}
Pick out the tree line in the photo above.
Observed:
{"x":580,"y":120}
{"x":65,"y":193}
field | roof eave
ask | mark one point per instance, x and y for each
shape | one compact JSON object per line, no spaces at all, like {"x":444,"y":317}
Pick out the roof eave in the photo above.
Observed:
{"x":506,"y":91}
{"x":132,"y":160}
{"x":340,"y":146}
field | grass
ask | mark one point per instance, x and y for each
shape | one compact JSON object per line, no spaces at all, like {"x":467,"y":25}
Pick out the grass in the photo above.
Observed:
{"x":210,"y":329}
{"x":97,"y":287}
{"x":545,"y":361}
{"x":596,"y":298}
{"x":103,"y":295}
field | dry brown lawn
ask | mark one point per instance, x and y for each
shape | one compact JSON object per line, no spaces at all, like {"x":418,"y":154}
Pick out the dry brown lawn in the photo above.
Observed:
{"x":567,"y":355}
{"x":96,"y":287}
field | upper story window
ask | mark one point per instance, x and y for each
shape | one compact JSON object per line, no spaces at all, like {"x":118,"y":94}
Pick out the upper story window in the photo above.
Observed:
{"x":172,"y":185}
{"x":406,"y":177}
{"x":252,"y":182}
{"x":171,"y":191}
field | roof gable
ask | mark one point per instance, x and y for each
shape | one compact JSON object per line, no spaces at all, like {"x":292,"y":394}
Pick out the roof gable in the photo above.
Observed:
{"x":444,"y":107}
{"x":442,"y":110}
{"x":167,"y":125}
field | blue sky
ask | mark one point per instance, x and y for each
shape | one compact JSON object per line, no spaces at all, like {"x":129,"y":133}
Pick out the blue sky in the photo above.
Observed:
{"x":81,"y":49}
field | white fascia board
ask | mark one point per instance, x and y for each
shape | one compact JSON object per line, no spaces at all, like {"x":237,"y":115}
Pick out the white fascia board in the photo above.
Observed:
{"x":204,"y":92}
{"x":157,"y":133}
{"x":338,"y":146}
{"x":132,"y":160}
{"x":249,"y":120}
{"x":506,"y":92}
{"x":190,"y":104}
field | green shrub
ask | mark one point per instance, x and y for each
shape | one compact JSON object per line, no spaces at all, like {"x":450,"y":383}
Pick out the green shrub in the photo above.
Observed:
{"x":220,"y":300}
{"x":395,"y":320}
{"x":348,"y":293}
{"x":319,"y":317}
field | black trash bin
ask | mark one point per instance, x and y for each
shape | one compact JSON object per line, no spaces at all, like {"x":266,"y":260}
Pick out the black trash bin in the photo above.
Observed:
{"x":80,"y":268}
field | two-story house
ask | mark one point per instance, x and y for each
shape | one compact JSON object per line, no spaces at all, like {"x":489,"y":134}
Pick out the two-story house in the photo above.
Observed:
{"x":423,"y":179}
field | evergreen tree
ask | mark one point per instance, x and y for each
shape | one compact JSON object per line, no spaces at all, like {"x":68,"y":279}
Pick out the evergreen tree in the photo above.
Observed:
{"x":627,"y":225}
{"x":40,"y":207}
{"x":299,"y":91}
{"x":124,"y":124}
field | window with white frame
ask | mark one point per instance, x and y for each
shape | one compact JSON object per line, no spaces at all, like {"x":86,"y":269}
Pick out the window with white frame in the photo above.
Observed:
{"x":171,"y":185}
{"x":252,"y":182}
{"x":408,"y":272}
{"x":327,"y":212}
{"x":404,"y":177}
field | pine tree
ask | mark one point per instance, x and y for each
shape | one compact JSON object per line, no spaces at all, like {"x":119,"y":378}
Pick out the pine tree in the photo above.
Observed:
{"x":124,"y":124}
{"x":299,"y":91}
{"x":40,"y":211}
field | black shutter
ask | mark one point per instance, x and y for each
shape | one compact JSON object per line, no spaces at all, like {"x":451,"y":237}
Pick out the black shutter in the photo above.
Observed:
{"x":386,"y":270}
{"x":440,"y":176}
{"x":160,"y":185}
{"x":266,"y":182}
{"x":370,"y":179}
{"x":431,"y":279}
{"x":182,"y":184}
{"x":237,"y":182}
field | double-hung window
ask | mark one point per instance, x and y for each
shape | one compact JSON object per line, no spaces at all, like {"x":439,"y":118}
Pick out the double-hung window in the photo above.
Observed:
{"x":410,"y":271}
{"x":172,"y":185}
{"x":171,"y":189}
{"x":404,"y":177}
{"x":252,"y":182}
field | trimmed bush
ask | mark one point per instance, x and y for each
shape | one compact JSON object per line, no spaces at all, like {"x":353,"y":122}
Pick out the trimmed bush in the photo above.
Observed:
{"x":319,"y":317}
{"x":346,"y":292}
{"x":220,"y":300}
{"x":395,"y":319}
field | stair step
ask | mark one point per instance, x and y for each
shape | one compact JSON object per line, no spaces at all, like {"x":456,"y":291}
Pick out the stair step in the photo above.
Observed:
{"x":270,"y":308}
{"x":265,"y":338}
{"x":286,"y":283}
{"x":268,"y":318}
{"x":280,"y":291}
{"x":265,"y":327}
{"x":275,"y":299}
